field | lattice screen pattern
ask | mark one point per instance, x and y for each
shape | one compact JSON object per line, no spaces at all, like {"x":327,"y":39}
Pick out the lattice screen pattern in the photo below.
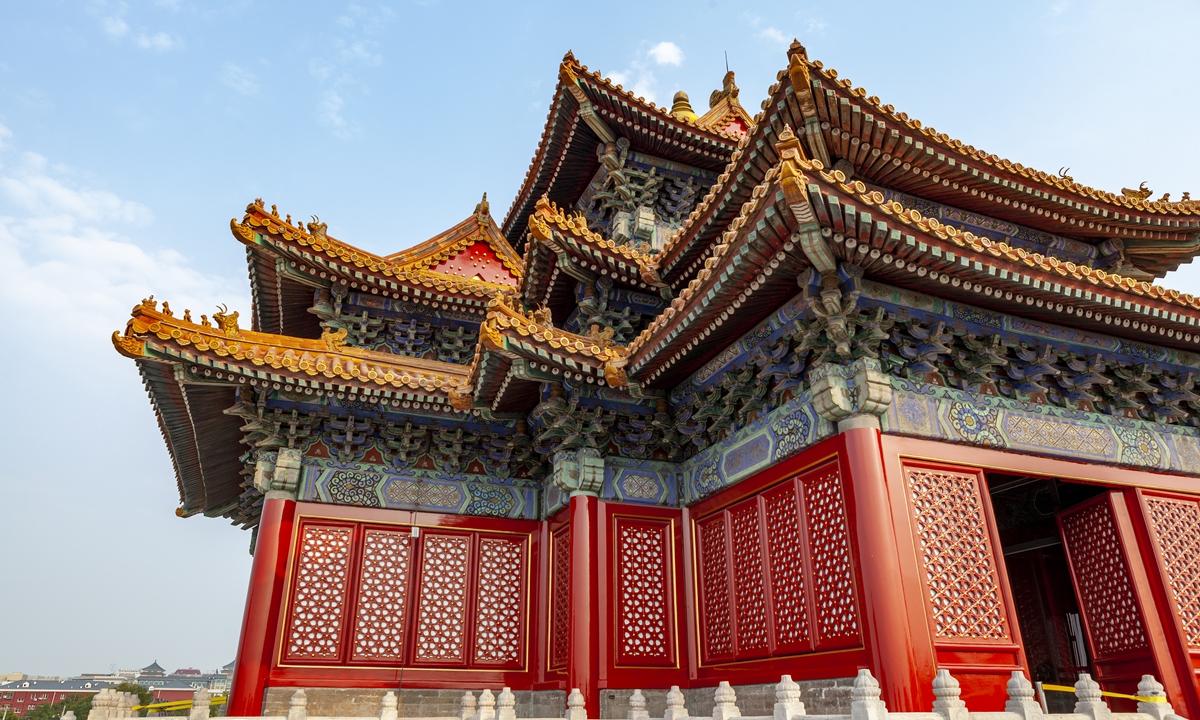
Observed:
{"x":353,"y":585}
{"x":776,"y":572}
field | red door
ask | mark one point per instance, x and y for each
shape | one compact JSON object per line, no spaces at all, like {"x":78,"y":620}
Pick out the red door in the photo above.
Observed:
{"x":1116,"y":590}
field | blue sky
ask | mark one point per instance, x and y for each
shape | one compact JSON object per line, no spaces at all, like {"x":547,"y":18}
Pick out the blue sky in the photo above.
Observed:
{"x":130,"y":132}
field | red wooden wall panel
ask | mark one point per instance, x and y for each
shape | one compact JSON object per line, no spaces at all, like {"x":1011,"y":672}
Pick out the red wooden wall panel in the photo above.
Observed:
{"x":560,"y":598}
{"x":379,"y":591}
{"x":643,"y":591}
{"x":966,"y":595}
{"x":640,"y":631}
{"x":775,"y":571}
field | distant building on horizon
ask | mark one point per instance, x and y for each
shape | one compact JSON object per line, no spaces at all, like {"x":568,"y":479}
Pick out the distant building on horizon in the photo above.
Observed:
{"x":18,"y":697}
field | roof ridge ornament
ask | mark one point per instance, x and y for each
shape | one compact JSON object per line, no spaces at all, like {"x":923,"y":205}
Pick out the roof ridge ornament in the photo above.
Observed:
{"x":316,"y":228}
{"x":729,"y":89}
{"x":681,"y":107}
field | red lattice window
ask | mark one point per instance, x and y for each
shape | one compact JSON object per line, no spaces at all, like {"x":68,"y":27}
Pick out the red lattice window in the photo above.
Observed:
{"x":716,"y":627}
{"x":318,"y":604}
{"x":499,"y":604}
{"x":644,"y":612}
{"x":785,"y":555}
{"x":749,"y":599}
{"x":381,"y":611}
{"x":832,"y":565}
{"x":1101,"y":573}
{"x":1175,"y":525}
{"x":789,"y":599}
{"x":442,"y":610}
{"x":956,"y":551}
{"x":560,"y":598}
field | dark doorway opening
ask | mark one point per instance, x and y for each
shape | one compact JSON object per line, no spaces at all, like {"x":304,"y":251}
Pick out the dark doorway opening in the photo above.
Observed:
{"x":1052,"y":631}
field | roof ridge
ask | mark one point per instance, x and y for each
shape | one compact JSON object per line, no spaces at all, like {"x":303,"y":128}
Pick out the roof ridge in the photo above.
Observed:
{"x":315,"y":237}
{"x":1060,"y":182}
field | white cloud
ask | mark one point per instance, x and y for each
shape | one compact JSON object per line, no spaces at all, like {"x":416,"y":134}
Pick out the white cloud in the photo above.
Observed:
{"x":330,"y":115}
{"x":28,"y":187}
{"x":360,"y":52}
{"x":114,"y":26}
{"x":239,"y":79}
{"x":339,"y":70}
{"x":159,"y":41}
{"x":774,"y":35}
{"x":68,"y":254}
{"x":667,"y":53}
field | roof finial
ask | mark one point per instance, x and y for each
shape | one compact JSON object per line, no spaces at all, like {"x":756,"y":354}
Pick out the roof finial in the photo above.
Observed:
{"x":797,"y":49}
{"x":483,"y":211}
{"x":729,"y":89}
{"x":726,"y":61}
{"x":681,"y":107}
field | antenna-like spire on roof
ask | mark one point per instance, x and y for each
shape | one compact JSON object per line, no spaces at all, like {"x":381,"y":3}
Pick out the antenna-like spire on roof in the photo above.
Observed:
{"x":726,"y":61}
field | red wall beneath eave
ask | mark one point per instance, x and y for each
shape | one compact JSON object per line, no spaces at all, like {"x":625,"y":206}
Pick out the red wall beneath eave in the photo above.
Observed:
{"x":832,"y":657}
{"x":1172,"y":658}
{"x":641,"y":638}
{"x":452,"y":543}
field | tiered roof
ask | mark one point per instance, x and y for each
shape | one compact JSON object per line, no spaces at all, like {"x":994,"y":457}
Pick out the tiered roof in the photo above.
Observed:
{"x":732,"y":246}
{"x":192,"y":372}
{"x":588,"y":109}
{"x":555,"y":234}
{"x":465,"y":265}
{"x":824,"y":174}
{"x":888,"y":147}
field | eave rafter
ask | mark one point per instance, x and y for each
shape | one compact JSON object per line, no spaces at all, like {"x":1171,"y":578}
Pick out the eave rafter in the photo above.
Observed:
{"x":856,"y":225}
{"x":319,"y":366}
{"x":588,"y":108}
{"x":743,"y":278}
{"x":900,"y":245}
{"x":890,"y":148}
{"x":313,"y":253}
{"x":567,"y":239}
{"x":513,"y":338}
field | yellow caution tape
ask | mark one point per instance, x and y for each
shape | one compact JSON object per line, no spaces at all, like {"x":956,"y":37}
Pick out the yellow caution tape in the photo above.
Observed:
{"x":1139,"y":698}
{"x":176,"y":704}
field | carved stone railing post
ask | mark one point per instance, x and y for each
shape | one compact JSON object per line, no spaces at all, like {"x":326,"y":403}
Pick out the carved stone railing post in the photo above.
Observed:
{"x":576,"y":706}
{"x":864,"y":698}
{"x":1151,"y":688}
{"x":298,"y":706}
{"x":637,"y":707}
{"x":487,"y":706}
{"x":787,"y":699}
{"x":68,"y":715}
{"x":1020,"y":698}
{"x":1088,"y":700}
{"x":201,"y":705}
{"x":389,"y":707}
{"x":725,"y":703}
{"x":467,"y":711}
{"x":506,"y":705}
{"x":948,"y":697}
{"x":676,"y":710}
{"x":99,"y":709}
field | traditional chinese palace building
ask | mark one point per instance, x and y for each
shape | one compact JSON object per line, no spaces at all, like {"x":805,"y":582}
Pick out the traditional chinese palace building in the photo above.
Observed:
{"x":722,"y":397}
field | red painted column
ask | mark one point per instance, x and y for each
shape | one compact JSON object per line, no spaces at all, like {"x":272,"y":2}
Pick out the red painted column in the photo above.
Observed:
{"x":583,"y":662}
{"x":901,"y":652}
{"x":263,"y":604}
